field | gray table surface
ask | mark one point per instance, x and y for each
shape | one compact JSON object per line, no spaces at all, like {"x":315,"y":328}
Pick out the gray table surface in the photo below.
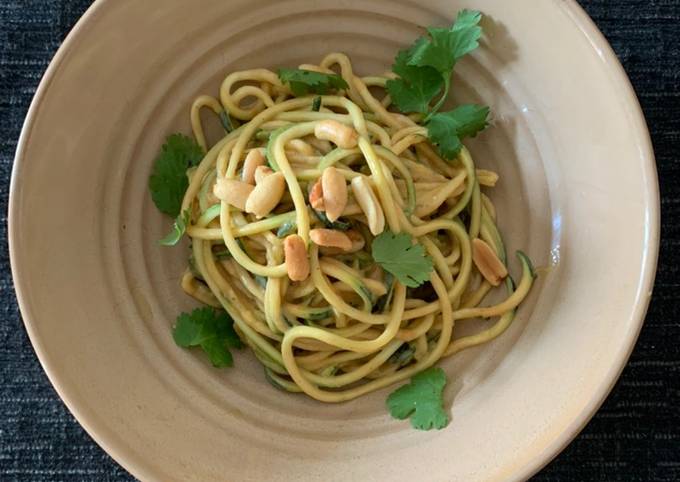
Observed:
{"x":636,"y":434}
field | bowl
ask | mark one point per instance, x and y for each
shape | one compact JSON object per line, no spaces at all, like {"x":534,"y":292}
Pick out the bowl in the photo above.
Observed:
{"x":578,"y":192}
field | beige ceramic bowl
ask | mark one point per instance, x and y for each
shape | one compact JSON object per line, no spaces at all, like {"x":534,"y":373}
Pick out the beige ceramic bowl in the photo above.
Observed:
{"x":98,"y":295}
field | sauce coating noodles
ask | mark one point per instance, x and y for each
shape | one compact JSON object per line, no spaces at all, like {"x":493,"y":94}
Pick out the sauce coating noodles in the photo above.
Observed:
{"x":348,"y":328}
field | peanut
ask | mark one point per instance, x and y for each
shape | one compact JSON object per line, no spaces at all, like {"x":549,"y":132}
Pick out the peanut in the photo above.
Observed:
{"x":369,"y":204}
{"x":487,"y":178}
{"x":334,"y":189}
{"x":316,"y":196}
{"x":487,"y":262}
{"x":261,"y":172}
{"x":331,"y":238}
{"x":254,"y":159}
{"x":358,"y":243}
{"x":233,"y":192}
{"x":266,"y":195}
{"x":338,"y":133}
{"x":298,"y":145}
{"x":297,"y":263}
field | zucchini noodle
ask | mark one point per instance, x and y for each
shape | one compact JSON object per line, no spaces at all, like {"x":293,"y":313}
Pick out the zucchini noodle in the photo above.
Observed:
{"x":350,"y":327}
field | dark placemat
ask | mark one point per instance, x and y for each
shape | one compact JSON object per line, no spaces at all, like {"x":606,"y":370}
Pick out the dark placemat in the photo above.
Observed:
{"x":634,"y":437}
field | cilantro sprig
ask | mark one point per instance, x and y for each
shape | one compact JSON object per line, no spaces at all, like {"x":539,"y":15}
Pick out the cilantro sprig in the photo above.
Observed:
{"x":421,"y":400}
{"x":446,"y":46}
{"x":416,"y":86}
{"x":397,"y":255}
{"x":212,"y":330}
{"x":425,"y":71}
{"x":447,"y":129}
{"x":303,"y":82}
{"x":168,"y":181}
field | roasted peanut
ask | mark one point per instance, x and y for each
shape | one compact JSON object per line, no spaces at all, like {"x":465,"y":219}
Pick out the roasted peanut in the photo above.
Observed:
{"x":297,"y":263}
{"x":368,"y":201}
{"x":266,"y":195}
{"x":233,"y":192}
{"x":338,"y":133}
{"x":487,"y":262}
{"x":254,"y":159}
{"x":298,"y":145}
{"x":334,"y":189}
{"x":316,"y":196}
{"x":331,"y":238}
{"x":487,"y":178}
{"x":261,"y":172}
{"x":358,"y":242}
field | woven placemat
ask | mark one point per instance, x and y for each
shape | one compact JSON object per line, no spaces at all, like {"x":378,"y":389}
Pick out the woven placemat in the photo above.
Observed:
{"x":634,"y":437}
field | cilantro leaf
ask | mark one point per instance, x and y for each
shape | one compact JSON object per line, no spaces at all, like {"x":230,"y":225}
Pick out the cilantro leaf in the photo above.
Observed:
{"x":316,"y":104}
{"x":178,"y":229}
{"x":415,"y":87}
{"x":303,"y":82}
{"x":168,"y":181}
{"x":427,"y":66}
{"x":397,"y":254}
{"x":447,"y":129}
{"x":445,"y":46}
{"x":212,"y":330}
{"x":219,"y":355}
{"x":422,"y":400}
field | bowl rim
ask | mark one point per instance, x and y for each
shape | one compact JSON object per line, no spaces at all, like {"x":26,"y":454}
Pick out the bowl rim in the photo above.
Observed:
{"x":598,"y":42}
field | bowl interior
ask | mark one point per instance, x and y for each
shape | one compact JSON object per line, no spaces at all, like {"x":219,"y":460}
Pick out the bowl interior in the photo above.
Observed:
{"x":99,"y":296}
